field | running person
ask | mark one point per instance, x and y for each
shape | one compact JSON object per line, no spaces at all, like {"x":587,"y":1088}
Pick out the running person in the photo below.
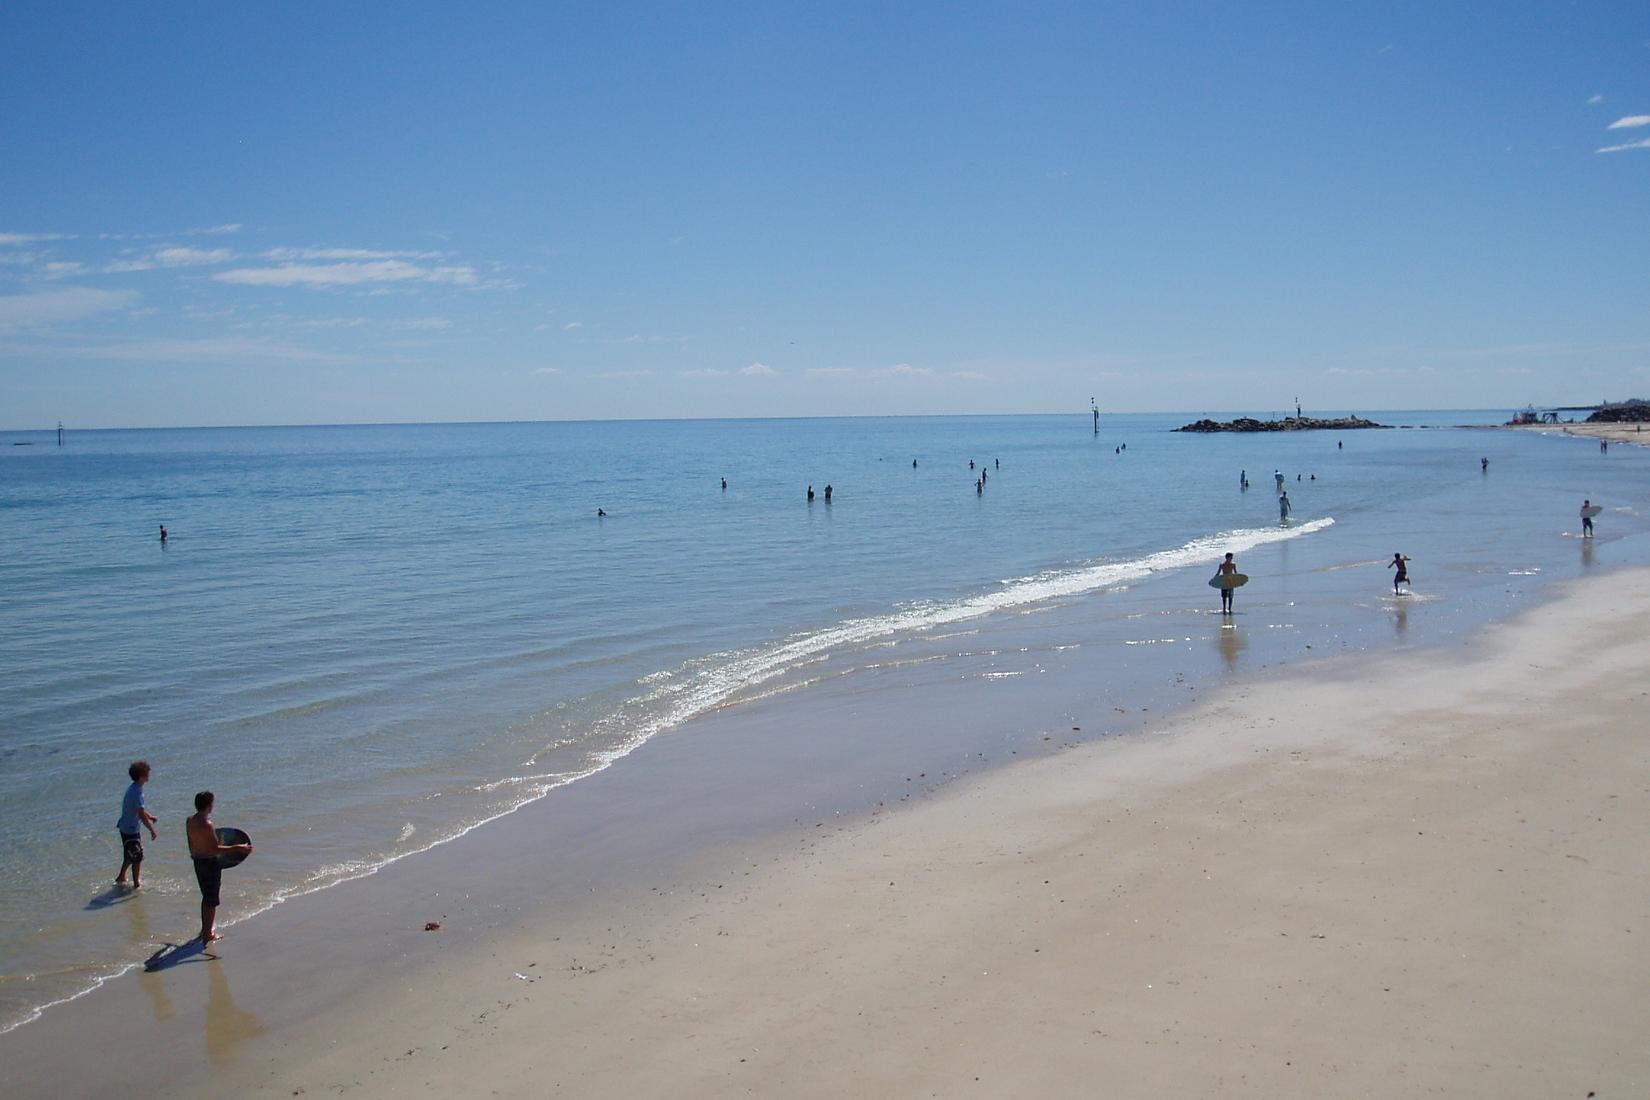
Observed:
{"x":1401,"y":563}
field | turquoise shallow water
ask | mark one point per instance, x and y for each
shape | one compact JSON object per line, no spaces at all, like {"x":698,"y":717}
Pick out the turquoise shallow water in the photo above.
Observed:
{"x":369,"y":639}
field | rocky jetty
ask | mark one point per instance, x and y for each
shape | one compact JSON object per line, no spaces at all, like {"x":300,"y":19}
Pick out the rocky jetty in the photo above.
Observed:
{"x":1626,"y":412}
{"x":1287,"y":424}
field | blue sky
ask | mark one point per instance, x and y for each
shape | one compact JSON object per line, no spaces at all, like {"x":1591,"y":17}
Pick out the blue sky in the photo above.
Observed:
{"x":325,"y":213}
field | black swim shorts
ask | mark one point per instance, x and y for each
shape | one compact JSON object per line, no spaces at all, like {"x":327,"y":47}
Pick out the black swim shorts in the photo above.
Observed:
{"x":133,"y":845}
{"x":209,"y":873}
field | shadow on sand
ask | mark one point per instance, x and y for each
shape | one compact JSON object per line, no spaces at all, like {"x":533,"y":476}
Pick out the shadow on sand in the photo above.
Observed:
{"x":176,"y":954}
{"x":113,"y":895}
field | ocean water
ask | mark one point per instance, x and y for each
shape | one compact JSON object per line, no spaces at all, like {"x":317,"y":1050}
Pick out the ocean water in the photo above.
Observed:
{"x":368,"y":640}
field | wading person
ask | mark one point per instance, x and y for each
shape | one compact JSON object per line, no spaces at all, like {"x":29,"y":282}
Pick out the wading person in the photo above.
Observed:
{"x":134,"y":817}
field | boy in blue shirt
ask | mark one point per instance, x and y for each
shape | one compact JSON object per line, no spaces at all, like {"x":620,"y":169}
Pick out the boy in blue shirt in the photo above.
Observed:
{"x":134,"y":817}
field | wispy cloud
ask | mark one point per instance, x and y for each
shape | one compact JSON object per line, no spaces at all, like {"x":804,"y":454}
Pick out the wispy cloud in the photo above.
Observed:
{"x":1630,"y":122}
{"x":548,"y":370}
{"x":213,"y":350}
{"x":348,"y":274}
{"x":192,"y":257}
{"x":214,"y":230}
{"x":122,"y":267}
{"x":1379,"y":372}
{"x":571,"y":325}
{"x":49,"y":307}
{"x":28,"y":238}
{"x":62,"y":269}
{"x":829,"y":372}
{"x":1641,"y":143}
{"x":289,"y":255}
{"x":906,"y":370}
{"x":705,"y":372}
{"x":1593,"y":100}
{"x":758,"y":370}
{"x":643,"y":373}
{"x":970,"y":376}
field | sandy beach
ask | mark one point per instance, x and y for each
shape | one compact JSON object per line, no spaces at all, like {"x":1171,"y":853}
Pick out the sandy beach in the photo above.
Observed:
{"x":1397,"y":876}
{"x":1612,"y":433}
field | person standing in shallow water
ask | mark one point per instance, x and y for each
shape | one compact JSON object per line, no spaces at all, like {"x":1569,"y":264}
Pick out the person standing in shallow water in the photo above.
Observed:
{"x":1586,"y":520}
{"x":204,"y":851}
{"x":134,"y":816}
{"x":1227,"y":568}
{"x":1284,"y":507}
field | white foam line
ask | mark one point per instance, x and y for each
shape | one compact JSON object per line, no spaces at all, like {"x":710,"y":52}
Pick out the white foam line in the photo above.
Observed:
{"x":721,"y":681}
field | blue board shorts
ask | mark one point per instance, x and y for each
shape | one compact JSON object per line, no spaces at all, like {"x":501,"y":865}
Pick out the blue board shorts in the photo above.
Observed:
{"x":132,"y":847}
{"x":209,"y":873}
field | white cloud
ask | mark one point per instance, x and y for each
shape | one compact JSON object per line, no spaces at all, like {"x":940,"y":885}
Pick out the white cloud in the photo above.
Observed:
{"x":190,"y":257}
{"x":214,"y":230}
{"x":347,"y":274}
{"x":1380,"y":372}
{"x":1642,"y":143}
{"x":758,"y":370}
{"x":644,"y":373}
{"x":1631,"y":122}
{"x":47,"y":307}
{"x":1595,"y":99}
{"x":25,"y":238}
{"x":62,"y":269}
{"x":906,"y":370}
{"x":571,"y":325}
{"x":209,"y":350}
{"x":548,"y":370}
{"x":120,"y":267}
{"x":704,"y":372}
{"x":287,"y":255}
{"x":970,"y":376}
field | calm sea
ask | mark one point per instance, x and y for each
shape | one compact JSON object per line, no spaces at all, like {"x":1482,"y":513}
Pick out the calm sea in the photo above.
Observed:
{"x":367,"y":640}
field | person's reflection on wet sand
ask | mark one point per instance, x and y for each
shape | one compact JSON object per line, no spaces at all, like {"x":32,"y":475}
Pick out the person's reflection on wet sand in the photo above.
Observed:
{"x":1400,"y":616}
{"x":1586,"y":553}
{"x":1232,"y":643}
{"x":139,"y":935}
{"x":226,"y":1025}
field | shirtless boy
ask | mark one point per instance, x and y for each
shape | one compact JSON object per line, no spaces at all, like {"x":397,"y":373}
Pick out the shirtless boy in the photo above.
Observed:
{"x":204,"y":851}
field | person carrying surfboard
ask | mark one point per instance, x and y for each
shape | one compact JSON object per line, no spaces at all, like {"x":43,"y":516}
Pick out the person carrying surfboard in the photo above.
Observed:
{"x":1586,"y":519}
{"x":1227,"y":568}
{"x":204,"y":850}
{"x":1402,"y":575}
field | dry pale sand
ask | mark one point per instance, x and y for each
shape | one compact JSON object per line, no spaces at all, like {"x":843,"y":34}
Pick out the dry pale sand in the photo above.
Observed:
{"x":1423,"y":874}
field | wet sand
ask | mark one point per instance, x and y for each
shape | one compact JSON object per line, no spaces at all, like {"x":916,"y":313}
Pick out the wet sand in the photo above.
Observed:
{"x":1370,"y":876}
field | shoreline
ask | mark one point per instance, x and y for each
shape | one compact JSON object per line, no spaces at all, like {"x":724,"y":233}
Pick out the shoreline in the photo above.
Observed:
{"x":1611,"y":433}
{"x":703,"y":946}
